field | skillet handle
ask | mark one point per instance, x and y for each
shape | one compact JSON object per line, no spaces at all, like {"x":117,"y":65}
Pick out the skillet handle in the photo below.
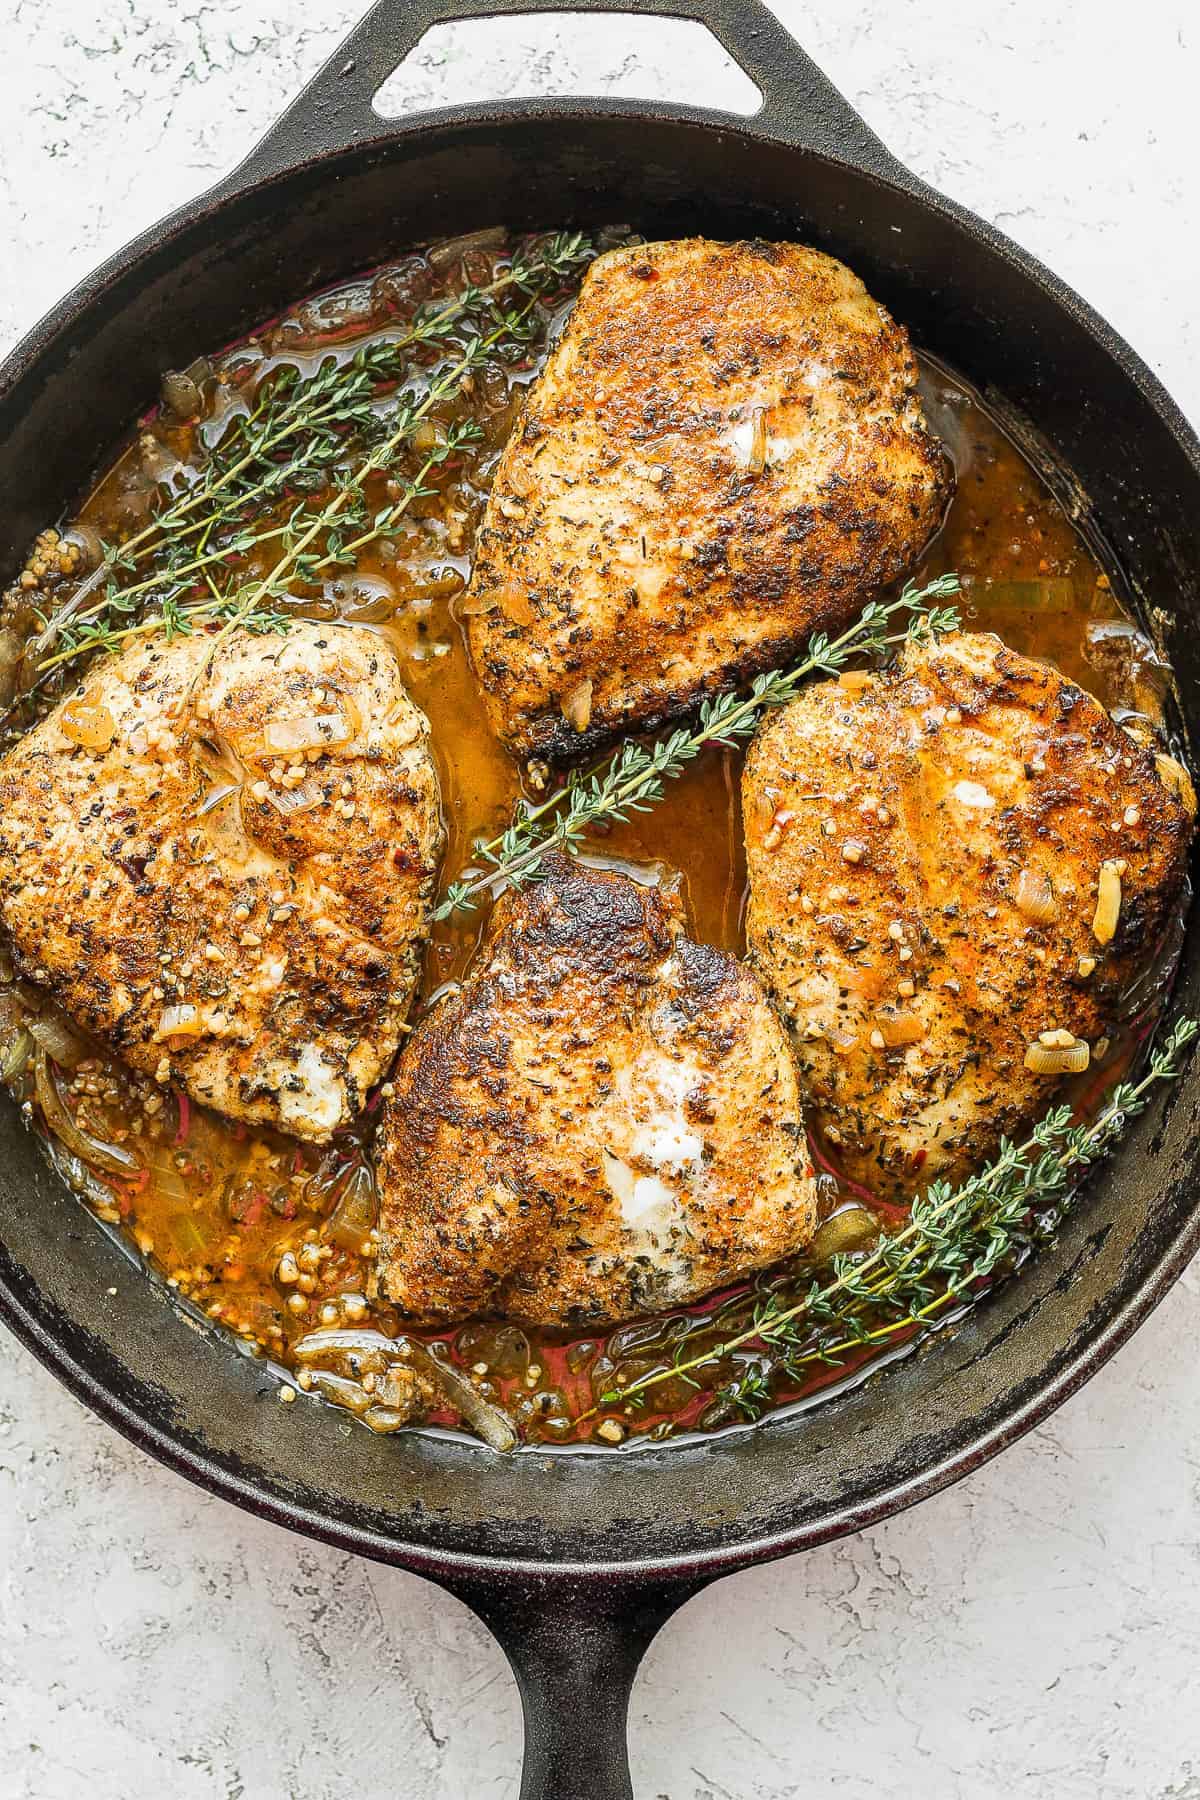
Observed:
{"x":575,"y":1650}
{"x":335,"y":111}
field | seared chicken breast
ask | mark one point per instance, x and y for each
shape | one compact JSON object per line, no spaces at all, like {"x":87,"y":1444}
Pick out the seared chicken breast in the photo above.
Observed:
{"x":725,"y":451}
{"x":226,"y":872}
{"x":603,"y":1121}
{"x":956,"y":871}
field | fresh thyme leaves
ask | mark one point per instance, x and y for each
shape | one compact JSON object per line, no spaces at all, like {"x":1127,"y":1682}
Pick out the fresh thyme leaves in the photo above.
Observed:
{"x":302,"y":436}
{"x":633,"y":780}
{"x":955,"y":1239}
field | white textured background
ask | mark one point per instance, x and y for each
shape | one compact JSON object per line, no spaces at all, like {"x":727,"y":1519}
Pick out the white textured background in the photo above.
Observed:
{"x":1034,"y":1634}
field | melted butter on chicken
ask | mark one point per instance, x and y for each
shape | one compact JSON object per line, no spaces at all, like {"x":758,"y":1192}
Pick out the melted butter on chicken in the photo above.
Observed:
{"x":603,"y":1121}
{"x":226,"y":873}
{"x":725,"y":451}
{"x":956,"y":870}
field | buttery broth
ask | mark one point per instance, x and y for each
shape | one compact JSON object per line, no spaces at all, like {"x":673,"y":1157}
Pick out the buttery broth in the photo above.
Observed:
{"x":218,"y":1208}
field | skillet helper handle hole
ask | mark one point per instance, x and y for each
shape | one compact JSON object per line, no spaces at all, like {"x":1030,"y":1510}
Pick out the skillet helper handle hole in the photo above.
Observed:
{"x":575,"y":1651}
{"x":341,"y":107}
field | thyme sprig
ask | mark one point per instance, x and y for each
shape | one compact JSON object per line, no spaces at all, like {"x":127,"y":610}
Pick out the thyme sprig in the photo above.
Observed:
{"x":308,"y":542}
{"x":955,"y":1239}
{"x":255,"y":611}
{"x":633,"y":780}
{"x":296,"y":439}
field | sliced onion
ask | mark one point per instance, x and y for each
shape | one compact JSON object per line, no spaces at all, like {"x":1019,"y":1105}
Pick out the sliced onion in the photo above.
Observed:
{"x":313,"y":731}
{"x":302,"y":799}
{"x":58,"y":1040}
{"x":341,"y":1391}
{"x":577,"y":707}
{"x":1175,"y":777}
{"x":1041,"y":1059}
{"x":12,"y":649}
{"x":98,"y":1155}
{"x":473,"y":606}
{"x":373,"y":1352}
{"x":357,"y":1211}
{"x":487,"y":1421}
{"x":190,"y":1232}
{"x":1035,"y":897}
{"x":900,"y":1028}
{"x":384,"y":1419}
{"x":854,"y":1228}
{"x":444,"y":256}
{"x":16,"y":1055}
{"x":181,"y":394}
{"x":182,"y":1020}
{"x":87,"y":727}
{"x":372,"y":1348}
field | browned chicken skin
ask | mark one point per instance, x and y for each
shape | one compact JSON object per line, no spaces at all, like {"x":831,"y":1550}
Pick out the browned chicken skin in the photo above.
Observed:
{"x":724,"y":451}
{"x":261,"y":950}
{"x":602,"y":1122}
{"x":934,"y":858}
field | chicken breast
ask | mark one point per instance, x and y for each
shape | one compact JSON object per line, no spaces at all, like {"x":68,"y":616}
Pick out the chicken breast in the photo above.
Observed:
{"x":226,"y":873}
{"x":602,"y":1122}
{"x":957,"y":870}
{"x":724,"y":452}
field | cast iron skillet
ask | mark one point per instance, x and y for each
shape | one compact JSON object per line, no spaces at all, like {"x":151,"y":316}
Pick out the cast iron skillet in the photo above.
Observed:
{"x":576,"y":1559}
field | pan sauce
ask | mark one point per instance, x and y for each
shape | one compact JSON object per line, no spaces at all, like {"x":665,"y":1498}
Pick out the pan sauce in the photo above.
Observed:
{"x":240,"y":1222}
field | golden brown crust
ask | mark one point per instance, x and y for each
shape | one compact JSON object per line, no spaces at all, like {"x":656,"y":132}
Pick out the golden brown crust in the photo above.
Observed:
{"x":292,"y":941}
{"x":942,"y":782}
{"x":591,"y":1049}
{"x":632,"y":540}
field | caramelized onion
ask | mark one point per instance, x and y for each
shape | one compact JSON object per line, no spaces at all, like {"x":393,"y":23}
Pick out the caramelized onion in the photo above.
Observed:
{"x":577,"y":707}
{"x":1108,"y":902}
{"x":899,"y":1028}
{"x":87,"y":727}
{"x":853,"y":1228}
{"x":1035,"y":897}
{"x":487,"y":1421}
{"x":341,"y":1391}
{"x":357,"y":1211}
{"x":182,"y":1020}
{"x":473,"y":606}
{"x":58,"y":1040}
{"x":313,"y":731}
{"x":290,"y":801}
{"x":16,"y":1055}
{"x":1175,"y":777}
{"x":444,"y":256}
{"x":361,"y":1352}
{"x":1044,"y":1059}
{"x":93,"y":1151}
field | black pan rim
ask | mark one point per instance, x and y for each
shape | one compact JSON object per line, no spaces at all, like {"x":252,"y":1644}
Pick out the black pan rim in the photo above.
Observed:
{"x":1115,"y":1324}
